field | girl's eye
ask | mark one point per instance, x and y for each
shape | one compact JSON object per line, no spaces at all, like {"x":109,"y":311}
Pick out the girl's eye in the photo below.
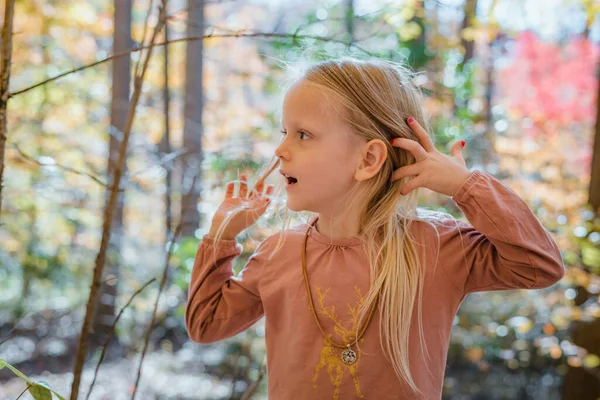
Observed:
{"x":303,"y":133}
{"x":299,"y":132}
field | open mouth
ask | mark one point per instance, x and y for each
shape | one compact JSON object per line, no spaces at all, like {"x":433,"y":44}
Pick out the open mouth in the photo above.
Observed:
{"x":289,"y":180}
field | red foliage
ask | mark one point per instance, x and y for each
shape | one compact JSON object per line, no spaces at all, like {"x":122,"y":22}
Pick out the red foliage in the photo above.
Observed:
{"x":549,"y":82}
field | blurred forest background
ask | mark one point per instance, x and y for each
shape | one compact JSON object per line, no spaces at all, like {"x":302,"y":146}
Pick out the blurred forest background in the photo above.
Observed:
{"x":115,"y":153}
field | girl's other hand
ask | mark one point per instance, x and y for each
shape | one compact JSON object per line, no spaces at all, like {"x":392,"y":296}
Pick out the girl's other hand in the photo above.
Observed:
{"x":432,"y":169}
{"x":253,"y":206}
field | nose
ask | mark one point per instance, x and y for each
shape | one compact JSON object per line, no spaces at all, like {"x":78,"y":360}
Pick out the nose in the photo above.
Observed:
{"x":281,"y":151}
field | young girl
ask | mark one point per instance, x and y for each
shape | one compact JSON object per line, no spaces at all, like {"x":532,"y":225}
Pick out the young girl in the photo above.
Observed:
{"x":359,"y":301}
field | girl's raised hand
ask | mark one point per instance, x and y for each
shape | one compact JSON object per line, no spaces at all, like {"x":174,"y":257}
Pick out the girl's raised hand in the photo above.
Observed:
{"x":253,"y":205}
{"x":432,"y":169}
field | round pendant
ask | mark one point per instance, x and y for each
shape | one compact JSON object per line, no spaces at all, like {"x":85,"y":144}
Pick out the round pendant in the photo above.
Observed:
{"x":349,"y":356}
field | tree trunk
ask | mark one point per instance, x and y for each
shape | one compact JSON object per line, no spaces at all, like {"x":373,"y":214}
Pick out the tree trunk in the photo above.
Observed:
{"x":595,"y":167}
{"x":7,"y":35}
{"x":485,"y":145}
{"x":469,"y":14}
{"x":165,"y":143}
{"x":192,"y":128}
{"x":580,"y":383}
{"x":121,"y":71}
{"x":350,"y":20}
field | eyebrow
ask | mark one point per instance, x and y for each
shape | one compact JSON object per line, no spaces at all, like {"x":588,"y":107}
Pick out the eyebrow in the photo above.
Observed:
{"x":312,"y":132}
{"x":293,"y":123}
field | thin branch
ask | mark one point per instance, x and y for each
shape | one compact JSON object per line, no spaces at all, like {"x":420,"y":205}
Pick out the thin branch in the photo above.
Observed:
{"x":14,"y":328}
{"x":139,"y":61}
{"x":108,"y":219}
{"x":191,"y":38}
{"x":63,"y":167}
{"x":112,"y":331}
{"x":252,"y":388}
{"x":23,"y":392}
{"x":235,"y":374}
{"x":166,"y":158}
{"x":111,"y":278}
{"x":163,"y":281}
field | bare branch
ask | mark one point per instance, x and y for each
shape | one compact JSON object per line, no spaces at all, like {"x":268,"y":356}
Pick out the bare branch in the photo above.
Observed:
{"x":112,"y":331}
{"x":108,"y":218}
{"x":166,"y":158}
{"x":163,"y":281}
{"x":23,"y":392}
{"x":15,"y":325}
{"x":139,"y":62}
{"x":250,"y":391}
{"x":186,"y":39}
{"x":63,"y":167}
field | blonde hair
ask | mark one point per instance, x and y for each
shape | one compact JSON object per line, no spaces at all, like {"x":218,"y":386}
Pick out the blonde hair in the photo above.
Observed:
{"x":376,"y":97}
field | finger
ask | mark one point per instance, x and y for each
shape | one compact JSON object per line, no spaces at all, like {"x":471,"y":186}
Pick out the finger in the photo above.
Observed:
{"x":243,"y":187}
{"x":259,"y":208}
{"x":408,"y":170}
{"x":264,"y":201}
{"x":411,"y":145}
{"x":410,"y":186}
{"x":257,"y":189}
{"x":456,"y":149}
{"x":422,"y":134}
{"x":229,"y":190}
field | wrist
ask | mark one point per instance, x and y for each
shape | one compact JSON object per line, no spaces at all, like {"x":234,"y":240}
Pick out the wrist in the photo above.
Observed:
{"x":212,"y":234}
{"x":461,"y":181}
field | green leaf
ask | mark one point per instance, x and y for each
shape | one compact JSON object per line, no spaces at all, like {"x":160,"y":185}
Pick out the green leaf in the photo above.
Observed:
{"x":17,"y":372}
{"x":590,"y":256}
{"x":57,"y":395}
{"x":40,"y":392}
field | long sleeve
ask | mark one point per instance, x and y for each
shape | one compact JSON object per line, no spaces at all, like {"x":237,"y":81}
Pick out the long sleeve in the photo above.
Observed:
{"x":221,"y":305}
{"x":504,"y":247}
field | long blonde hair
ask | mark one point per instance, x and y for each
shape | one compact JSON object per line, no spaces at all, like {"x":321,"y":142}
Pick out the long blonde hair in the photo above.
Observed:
{"x":376,"y":97}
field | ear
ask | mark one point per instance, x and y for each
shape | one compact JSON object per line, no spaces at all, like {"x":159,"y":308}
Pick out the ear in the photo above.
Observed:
{"x":373,"y":154}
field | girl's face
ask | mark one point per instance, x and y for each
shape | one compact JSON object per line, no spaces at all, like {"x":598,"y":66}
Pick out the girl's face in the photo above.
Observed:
{"x":318,"y":149}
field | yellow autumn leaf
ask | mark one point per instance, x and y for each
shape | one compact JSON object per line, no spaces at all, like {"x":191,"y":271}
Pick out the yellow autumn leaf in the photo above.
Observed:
{"x":574,"y":361}
{"x":475,"y":354}
{"x":469,"y":34}
{"x":407,"y":13}
{"x":591,"y":361}
{"x":410,"y":31}
{"x":525,"y":327}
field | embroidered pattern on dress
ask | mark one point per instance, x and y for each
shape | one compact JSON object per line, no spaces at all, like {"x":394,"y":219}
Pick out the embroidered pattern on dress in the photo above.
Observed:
{"x":331,"y":356}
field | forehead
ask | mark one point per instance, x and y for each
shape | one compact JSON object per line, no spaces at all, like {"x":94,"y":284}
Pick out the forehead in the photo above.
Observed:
{"x":305,"y":102}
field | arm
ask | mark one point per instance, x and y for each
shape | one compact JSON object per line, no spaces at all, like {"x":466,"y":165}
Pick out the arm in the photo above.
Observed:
{"x":506,"y":247}
{"x":221,"y":305}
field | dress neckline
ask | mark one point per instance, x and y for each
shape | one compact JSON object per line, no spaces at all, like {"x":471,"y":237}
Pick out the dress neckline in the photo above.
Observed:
{"x":319,"y":237}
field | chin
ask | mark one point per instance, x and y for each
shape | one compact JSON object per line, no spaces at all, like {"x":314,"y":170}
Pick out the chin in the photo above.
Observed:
{"x":295,"y":207}
{"x":292,"y":208}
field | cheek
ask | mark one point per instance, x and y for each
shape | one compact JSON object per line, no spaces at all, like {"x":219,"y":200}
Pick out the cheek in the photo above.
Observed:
{"x":332,"y":172}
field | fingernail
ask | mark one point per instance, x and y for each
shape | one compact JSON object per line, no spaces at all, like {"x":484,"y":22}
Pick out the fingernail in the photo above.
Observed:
{"x":410,"y":120}
{"x":462,"y":143}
